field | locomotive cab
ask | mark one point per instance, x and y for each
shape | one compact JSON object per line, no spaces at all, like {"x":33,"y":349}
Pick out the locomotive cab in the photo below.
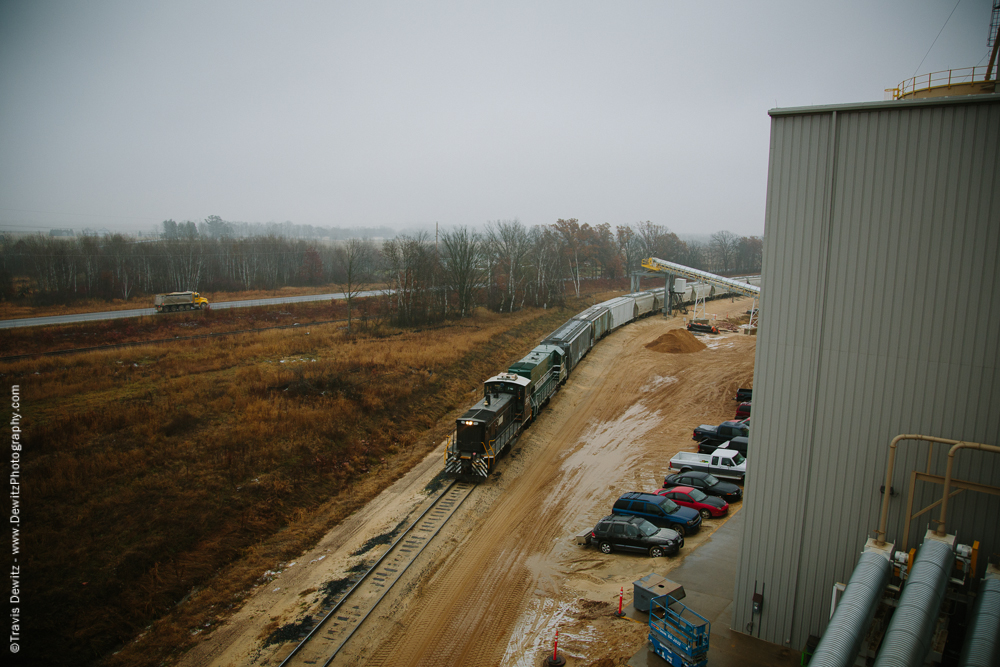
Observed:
{"x":489,"y":428}
{"x":476,"y":431}
{"x":517,"y":387}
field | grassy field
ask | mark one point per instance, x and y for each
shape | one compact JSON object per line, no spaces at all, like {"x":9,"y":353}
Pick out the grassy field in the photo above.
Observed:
{"x":156,"y":471}
{"x":34,"y":340}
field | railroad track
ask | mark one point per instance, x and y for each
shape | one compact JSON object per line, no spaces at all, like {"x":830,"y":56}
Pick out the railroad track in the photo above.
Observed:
{"x":330,"y":635}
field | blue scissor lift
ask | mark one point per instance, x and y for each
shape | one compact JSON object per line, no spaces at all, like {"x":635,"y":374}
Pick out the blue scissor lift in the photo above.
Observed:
{"x":678,"y":634}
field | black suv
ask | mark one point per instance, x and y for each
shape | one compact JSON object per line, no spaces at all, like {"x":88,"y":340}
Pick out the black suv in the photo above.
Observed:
{"x":633,"y":533}
{"x":659,"y":511}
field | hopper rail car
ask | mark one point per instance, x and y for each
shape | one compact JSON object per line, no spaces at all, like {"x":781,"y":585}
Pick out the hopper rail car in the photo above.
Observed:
{"x":513,"y":399}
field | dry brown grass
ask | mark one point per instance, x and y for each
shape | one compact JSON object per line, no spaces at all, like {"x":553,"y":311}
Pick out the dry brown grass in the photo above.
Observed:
{"x":34,"y":340}
{"x":159,"y":469}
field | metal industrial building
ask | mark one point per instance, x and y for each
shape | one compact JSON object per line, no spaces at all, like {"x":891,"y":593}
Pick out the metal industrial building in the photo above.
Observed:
{"x":880,"y":315}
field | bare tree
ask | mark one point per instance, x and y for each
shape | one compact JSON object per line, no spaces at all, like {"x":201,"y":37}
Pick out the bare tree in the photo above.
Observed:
{"x":574,"y":250}
{"x":604,"y":250}
{"x":270,"y":248}
{"x":696,"y":256}
{"x":354,"y":271}
{"x":120,"y":253}
{"x":247,"y":262}
{"x":629,"y":248}
{"x":409,"y":270}
{"x":543,"y":261}
{"x":509,"y":240}
{"x":723,"y":248}
{"x":749,"y":253}
{"x":462,"y":261}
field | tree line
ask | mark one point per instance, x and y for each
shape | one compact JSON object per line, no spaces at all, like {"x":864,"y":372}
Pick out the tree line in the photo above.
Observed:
{"x":504,"y":267}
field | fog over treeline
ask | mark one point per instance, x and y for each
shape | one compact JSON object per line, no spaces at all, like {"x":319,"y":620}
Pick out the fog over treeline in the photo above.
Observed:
{"x":505,"y":266}
{"x":215,"y":227}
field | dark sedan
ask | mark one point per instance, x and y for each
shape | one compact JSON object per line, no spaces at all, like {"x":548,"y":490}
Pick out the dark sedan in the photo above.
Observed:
{"x":707,"y":483}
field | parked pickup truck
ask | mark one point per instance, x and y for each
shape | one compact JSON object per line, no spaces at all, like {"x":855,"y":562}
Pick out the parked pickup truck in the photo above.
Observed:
{"x":737,"y":444}
{"x":725,"y":463}
{"x":716,"y":435}
{"x":744,"y":394}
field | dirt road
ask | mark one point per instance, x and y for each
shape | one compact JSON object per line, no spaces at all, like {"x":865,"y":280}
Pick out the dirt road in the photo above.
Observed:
{"x":506,"y":572}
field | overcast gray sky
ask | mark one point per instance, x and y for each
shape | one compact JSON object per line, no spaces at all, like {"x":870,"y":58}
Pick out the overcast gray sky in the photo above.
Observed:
{"x":123,"y":114}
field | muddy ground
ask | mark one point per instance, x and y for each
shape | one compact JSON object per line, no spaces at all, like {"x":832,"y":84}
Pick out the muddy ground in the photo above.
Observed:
{"x":506,"y":572}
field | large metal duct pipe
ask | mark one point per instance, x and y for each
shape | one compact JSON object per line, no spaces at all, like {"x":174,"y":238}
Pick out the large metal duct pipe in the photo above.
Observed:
{"x":908,"y":639}
{"x":842,"y":639}
{"x":982,"y":639}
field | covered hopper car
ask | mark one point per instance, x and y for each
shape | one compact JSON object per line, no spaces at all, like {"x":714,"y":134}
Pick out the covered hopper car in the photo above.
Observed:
{"x":512,"y":399}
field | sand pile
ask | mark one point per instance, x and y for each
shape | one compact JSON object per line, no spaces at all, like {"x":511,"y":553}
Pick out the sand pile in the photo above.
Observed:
{"x":676,"y":341}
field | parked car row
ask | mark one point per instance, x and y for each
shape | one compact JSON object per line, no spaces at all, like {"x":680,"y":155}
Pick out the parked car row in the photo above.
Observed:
{"x":743,"y":398}
{"x":656,"y":523}
{"x":732,"y":434}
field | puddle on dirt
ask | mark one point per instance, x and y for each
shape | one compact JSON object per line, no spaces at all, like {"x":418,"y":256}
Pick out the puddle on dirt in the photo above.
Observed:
{"x":536,"y":631}
{"x":603,"y":449}
{"x":657,"y":382}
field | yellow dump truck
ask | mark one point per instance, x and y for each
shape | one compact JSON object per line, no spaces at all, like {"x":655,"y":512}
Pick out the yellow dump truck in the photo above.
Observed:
{"x":166,"y":303}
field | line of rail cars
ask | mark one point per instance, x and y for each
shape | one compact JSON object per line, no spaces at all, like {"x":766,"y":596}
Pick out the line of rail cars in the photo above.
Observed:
{"x":512,"y":399}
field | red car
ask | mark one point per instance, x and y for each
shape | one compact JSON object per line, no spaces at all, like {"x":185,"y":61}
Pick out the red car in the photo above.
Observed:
{"x":743,"y":410}
{"x":686,"y":496}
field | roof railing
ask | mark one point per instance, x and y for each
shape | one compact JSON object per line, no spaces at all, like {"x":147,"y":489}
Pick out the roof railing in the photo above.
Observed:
{"x":943,"y":79}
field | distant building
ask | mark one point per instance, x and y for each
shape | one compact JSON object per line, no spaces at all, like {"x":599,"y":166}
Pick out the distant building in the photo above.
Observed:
{"x":61,"y":232}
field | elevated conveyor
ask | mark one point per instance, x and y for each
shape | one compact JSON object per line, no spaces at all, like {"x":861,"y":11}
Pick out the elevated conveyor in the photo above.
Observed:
{"x":697,"y":275}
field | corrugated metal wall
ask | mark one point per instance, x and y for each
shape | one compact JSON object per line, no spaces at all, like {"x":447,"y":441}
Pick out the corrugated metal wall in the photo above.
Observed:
{"x":880,"y":315}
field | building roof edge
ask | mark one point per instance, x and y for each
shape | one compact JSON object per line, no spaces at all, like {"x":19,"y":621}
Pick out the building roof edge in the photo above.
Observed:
{"x":986,"y":98}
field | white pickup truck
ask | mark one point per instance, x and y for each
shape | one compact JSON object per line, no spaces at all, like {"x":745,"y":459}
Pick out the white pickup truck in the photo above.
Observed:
{"x":727,"y":463}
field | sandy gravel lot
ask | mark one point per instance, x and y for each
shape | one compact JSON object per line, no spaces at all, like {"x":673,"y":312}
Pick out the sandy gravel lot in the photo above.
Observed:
{"x":506,"y":572}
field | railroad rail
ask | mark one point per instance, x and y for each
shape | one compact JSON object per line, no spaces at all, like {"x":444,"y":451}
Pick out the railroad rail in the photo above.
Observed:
{"x":332,"y":633}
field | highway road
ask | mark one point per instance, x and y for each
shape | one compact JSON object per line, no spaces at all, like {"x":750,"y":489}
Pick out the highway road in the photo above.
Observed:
{"x":142,"y":312}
